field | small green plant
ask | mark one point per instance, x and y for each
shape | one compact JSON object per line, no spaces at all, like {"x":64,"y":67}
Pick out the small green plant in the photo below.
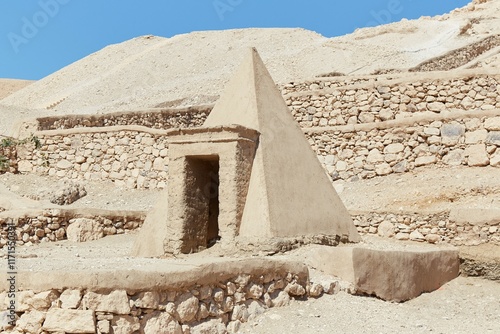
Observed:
{"x":7,"y":142}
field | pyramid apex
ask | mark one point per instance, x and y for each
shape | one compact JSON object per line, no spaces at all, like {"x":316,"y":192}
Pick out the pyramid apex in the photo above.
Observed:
{"x":250,"y":93}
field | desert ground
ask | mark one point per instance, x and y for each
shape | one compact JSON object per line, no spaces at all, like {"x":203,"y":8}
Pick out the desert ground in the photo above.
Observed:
{"x":151,"y":72}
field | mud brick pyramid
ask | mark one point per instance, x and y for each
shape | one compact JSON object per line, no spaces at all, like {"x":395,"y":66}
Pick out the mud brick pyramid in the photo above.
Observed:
{"x":249,"y":174}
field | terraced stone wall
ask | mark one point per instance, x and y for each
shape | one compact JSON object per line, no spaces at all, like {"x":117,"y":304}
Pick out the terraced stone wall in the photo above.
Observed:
{"x":129,"y":158}
{"x":432,"y":228}
{"x":218,"y":307}
{"x":52,"y":225}
{"x":152,"y":118}
{"x":325,"y":103}
{"x":365,"y":153}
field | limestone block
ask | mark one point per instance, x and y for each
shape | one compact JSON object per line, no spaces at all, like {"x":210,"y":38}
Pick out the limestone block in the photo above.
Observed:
{"x":31,"y":322}
{"x":394,"y":274}
{"x":240,"y":312}
{"x":492,"y":124}
{"x":451,"y":133}
{"x":436,"y":106}
{"x":69,"y":321}
{"x":477,"y":155}
{"x":477,"y":217}
{"x":84,"y":229}
{"x":43,"y":300}
{"x":116,"y":302}
{"x":426,"y":160}
{"x":454,"y":158}
{"x":386,"y":229}
{"x":394,"y":148}
{"x":212,"y":326}
{"x":125,"y":324}
{"x":475,"y":137}
{"x":149,"y":300}
{"x":254,"y":291}
{"x":383,"y":169}
{"x":70,"y":299}
{"x":493,"y":138}
{"x":64,"y":164}
{"x":187,"y":307}
{"x":316,"y":290}
{"x":495,"y":160}
{"x":295,"y":289}
{"x":24,"y":166}
{"x":161,"y":322}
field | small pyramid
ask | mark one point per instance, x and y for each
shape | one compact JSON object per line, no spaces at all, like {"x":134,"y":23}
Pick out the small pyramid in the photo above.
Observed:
{"x":289,"y":192}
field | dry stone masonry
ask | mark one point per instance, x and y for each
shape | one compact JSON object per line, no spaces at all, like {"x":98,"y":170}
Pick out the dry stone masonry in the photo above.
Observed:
{"x":210,"y":308}
{"x":348,"y":154}
{"x":440,"y":227}
{"x":58,"y":224}
{"x":129,"y":158}
{"x":153,"y":118}
{"x":380,"y":101}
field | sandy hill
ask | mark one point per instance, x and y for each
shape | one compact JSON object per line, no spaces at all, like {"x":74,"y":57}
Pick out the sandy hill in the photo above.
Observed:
{"x":10,"y":86}
{"x":192,"y":68}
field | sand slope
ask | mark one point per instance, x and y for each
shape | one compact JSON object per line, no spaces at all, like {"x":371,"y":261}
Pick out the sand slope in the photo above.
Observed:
{"x":192,"y":68}
{"x":10,"y":86}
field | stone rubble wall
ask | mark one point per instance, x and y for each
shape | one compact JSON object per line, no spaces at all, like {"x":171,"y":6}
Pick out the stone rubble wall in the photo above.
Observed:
{"x":8,"y":156}
{"x":213,"y":308}
{"x":52,"y":225}
{"x":152,"y":118}
{"x":323,"y":103}
{"x":349,"y":153}
{"x":432,"y":228}
{"x":129,"y":158}
{"x":138,"y":158}
{"x":458,"y":57}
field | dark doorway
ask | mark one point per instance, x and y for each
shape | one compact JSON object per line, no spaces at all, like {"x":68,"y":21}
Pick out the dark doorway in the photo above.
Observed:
{"x":202,"y":201}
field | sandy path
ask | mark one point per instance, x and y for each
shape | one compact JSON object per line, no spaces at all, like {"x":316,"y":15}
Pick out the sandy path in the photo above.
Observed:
{"x":465,"y":305}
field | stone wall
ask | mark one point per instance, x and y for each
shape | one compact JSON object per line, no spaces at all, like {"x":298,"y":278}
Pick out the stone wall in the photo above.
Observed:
{"x":152,"y":118}
{"x":8,"y":159}
{"x":432,"y":228}
{"x":129,"y":158}
{"x":210,"y":308}
{"x":53,"y":224}
{"x":386,"y":100}
{"x":373,"y":151}
{"x":138,"y":157}
{"x":439,"y":227}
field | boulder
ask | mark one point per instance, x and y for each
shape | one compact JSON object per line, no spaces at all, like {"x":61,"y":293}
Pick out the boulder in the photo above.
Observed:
{"x":66,"y":193}
{"x":84,"y":229}
{"x":386,"y":229}
{"x":187,"y":307}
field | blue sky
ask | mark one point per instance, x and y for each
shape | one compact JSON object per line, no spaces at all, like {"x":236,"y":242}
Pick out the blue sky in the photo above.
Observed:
{"x":38,"y":37}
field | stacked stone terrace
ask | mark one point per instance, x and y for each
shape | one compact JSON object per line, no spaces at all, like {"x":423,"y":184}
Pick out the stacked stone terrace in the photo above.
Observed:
{"x":360,"y":127}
